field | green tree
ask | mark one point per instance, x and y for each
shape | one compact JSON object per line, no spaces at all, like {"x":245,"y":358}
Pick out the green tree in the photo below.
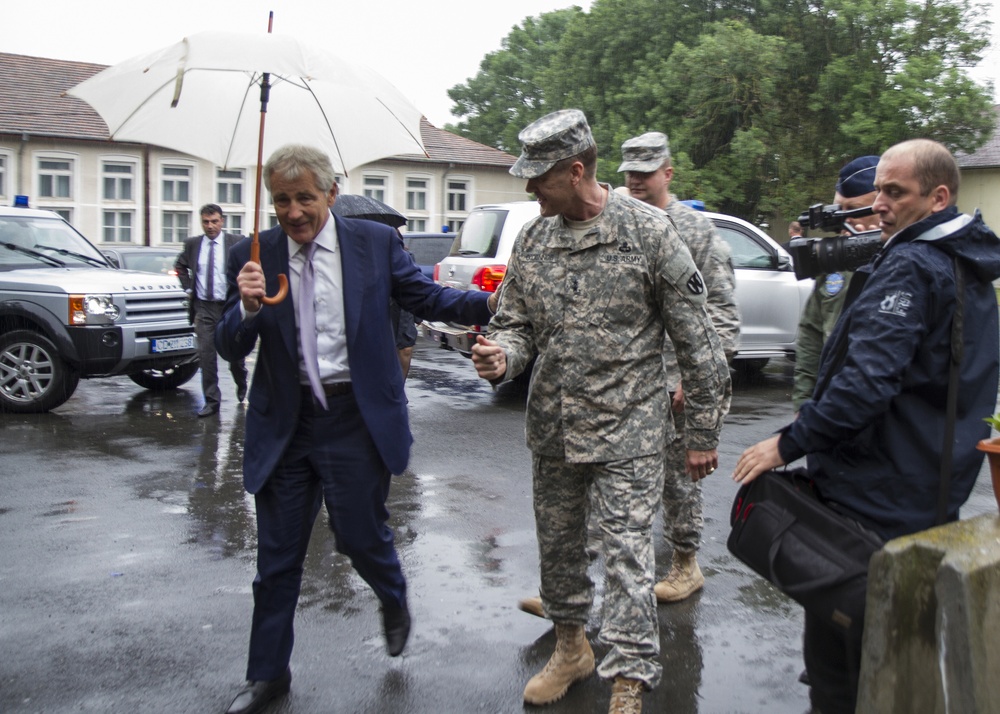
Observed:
{"x":763,"y":100}
{"x":505,"y":95}
{"x":896,"y":70}
{"x":723,"y":101}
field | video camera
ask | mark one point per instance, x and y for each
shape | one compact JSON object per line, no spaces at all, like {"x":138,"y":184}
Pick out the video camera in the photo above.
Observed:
{"x":813,"y":256}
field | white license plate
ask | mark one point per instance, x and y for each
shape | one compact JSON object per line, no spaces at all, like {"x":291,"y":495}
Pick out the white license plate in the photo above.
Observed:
{"x":172,"y":344}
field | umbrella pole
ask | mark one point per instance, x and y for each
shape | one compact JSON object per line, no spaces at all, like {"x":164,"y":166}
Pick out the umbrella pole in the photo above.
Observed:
{"x":265,"y":91}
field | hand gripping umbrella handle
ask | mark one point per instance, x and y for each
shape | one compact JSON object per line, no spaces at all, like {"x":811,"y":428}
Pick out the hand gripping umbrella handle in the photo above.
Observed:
{"x":282,"y":280}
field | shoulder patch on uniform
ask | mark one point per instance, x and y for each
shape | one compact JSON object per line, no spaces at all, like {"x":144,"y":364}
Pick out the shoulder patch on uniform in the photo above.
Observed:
{"x":834,"y":284}
{"x":896,"y":303}
{"x":695,"y":284}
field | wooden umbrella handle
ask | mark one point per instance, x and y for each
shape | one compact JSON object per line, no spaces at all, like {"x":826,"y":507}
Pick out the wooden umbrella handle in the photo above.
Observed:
{"x":265,"y":92}
{"x":282,"y":279}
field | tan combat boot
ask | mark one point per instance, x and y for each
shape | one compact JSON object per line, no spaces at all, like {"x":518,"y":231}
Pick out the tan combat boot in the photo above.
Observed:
{"x":626,"y":696}
{"x":572,"y":661}
{"x":532,"y":606}
{"x":684,"y":579}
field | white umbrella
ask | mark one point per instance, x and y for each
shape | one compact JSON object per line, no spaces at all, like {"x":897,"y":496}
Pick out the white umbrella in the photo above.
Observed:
{"x":201,"y":96}
{"x":207,"y":96}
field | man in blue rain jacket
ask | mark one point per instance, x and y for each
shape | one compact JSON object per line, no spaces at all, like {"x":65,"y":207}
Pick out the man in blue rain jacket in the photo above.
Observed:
{"x":874,"y":429}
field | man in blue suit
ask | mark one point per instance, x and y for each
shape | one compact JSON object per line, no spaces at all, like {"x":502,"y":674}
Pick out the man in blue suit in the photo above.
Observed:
{"x":327,"y":418}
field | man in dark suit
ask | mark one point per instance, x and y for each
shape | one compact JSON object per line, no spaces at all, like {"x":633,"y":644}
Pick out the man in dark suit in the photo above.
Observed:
{"x":327,"y":419}
{"x":201,"y":267}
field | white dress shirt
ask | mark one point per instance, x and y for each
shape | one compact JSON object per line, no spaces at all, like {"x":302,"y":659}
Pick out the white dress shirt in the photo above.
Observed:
{"x":331,"y":336}
{"x":220,"y":268}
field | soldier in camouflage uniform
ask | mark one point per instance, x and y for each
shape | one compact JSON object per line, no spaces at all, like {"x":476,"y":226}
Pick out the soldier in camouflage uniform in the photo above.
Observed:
{"x":593,"y":287}
{"x":855,"y":189}
{"x":648,"y":172}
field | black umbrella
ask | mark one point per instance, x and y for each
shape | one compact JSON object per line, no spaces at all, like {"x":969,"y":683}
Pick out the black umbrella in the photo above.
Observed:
{"x":351,"y":205}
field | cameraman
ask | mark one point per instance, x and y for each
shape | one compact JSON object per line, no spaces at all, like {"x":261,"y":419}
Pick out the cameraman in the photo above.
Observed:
{"x":874,"y":431}
{"x":854,"y":190}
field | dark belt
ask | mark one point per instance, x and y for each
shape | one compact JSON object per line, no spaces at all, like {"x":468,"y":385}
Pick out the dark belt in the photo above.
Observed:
{"x":336,"y":389}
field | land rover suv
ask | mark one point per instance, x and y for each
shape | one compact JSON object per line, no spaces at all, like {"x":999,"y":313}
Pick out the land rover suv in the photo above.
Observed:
{"x":67,"y":314}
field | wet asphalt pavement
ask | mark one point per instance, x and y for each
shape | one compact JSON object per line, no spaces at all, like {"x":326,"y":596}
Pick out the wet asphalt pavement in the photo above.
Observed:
{"x":127,"y":552}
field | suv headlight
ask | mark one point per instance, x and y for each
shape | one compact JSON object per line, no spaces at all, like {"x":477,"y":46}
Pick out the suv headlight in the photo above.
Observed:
{"x":92,"y":310}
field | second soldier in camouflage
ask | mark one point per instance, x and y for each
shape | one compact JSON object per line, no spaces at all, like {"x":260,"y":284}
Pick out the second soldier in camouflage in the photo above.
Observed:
{"x":648,"y":172}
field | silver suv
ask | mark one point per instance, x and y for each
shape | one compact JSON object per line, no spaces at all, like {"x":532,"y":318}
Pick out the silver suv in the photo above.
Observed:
{"x":67,"y":314}
{"x":770,"y":299}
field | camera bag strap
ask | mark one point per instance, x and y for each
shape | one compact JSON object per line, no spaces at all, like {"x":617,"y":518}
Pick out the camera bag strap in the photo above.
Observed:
{"x":957,"y":352}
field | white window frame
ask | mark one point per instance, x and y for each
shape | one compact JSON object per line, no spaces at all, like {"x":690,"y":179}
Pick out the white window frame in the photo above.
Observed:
{"x":173,"y":202}
{"x":232,"y":222}
{"x":424,"y":192}
{"x":118,"y":178}
{"x":465,"y":193}
{"x":230,"y":183}
{"x":53,"y":174}
{"x":116,"y":231}
{"x":455,"y":215}
{"x":383,"y":190}
{"x":171,"y":234}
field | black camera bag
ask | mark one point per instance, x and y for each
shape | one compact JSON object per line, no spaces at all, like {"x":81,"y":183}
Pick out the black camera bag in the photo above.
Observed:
{"x":813,"y":554}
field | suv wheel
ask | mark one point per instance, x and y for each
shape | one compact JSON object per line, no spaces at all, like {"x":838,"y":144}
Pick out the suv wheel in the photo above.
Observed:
{"x":751,"y":367}
{"x":33,"y":378}
{"x":162,"y":380}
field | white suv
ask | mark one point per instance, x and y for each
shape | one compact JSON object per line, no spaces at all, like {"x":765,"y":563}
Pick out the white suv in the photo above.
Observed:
{"x":769,"y":297}
{"x":478,"y":261}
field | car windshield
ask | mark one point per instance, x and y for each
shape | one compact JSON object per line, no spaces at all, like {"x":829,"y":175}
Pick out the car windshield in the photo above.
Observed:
{"x":40,"y":242}
{"x":480,"y":233}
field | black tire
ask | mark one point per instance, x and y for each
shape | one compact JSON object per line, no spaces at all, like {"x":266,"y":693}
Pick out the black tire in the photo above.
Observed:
{"x":751,"y":367}
{"x":33,"y":377}
{"x":162,"y":380}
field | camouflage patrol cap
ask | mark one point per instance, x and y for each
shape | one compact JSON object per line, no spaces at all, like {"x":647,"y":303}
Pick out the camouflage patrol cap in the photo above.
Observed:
{"x":554,"y":137}
{"x":645,"y":153}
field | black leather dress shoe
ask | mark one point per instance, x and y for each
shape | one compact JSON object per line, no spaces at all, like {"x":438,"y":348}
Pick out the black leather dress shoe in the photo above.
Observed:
{"x":209,"y":410}
{"x":396,"y":623}
{"x":241,"y":392}
{"x":255,"y":696}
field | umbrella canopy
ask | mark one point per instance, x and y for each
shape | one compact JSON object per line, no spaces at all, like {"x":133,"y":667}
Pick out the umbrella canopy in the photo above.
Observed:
{"x":351,"y":205}
{"x":202,"y":97}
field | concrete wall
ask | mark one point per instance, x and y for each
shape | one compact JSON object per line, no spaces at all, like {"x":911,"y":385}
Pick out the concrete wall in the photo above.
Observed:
{"x":932,"y":622}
